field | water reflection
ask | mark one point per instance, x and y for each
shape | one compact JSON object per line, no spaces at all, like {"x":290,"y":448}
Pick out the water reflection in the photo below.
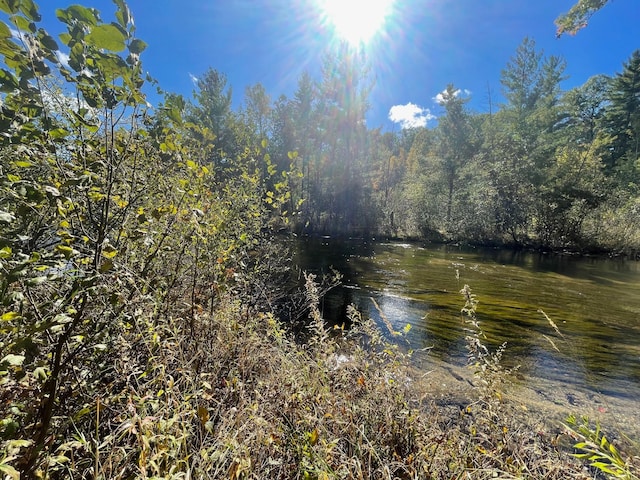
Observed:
{"x":594,"y":302}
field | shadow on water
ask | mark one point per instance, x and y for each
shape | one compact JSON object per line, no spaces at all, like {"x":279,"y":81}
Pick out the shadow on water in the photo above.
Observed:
{"x":595,"y":303}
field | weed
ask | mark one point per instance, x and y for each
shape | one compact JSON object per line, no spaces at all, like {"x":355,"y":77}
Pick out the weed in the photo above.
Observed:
{"x":594,"y":447}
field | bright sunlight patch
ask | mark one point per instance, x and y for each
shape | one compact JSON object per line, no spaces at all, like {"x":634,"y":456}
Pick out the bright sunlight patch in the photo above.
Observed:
{"x":356,"y":21}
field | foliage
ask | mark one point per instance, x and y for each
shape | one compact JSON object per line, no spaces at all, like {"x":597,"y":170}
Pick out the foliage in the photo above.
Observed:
{"x":597,"y":450}
{"x":487,"y":365}
{"x":546,"y":169}
{"x":111,"y":219}
{"x":578,"y":16}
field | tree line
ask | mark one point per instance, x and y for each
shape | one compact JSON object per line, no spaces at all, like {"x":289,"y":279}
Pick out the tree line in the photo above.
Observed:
{"x":545,"y":167}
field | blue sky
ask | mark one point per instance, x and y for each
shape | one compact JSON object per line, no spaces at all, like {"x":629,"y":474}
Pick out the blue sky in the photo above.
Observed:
{"x":423,"y":46}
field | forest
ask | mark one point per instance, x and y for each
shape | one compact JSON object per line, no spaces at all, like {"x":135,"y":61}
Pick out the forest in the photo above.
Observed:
{"x":548,"y":168}
{"x":146,"y":309}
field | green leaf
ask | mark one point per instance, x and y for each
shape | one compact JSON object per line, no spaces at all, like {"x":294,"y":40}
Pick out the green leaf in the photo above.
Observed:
{"x":65,"y":250}
{"x":123,"y":14}
{"x":8,"y":82}
{"x":13,"y":360}
{"x":5,"y":31}
{"x":106,"y":266}
{"x":65,"y":38}
{"x":607,"y":468}
{"x":137,"y":46}
{"x":23,"y":24}
{"x":58,"y":133}
{"x":112,"y":66}
{"x":107,"y":37}
{"x":47,"y":40}
{"x":5,"y":252}
{"x":9,"y":6}
{"x":79,"y":14}
{"x":175,"y":115}
{"x":30,"y":10}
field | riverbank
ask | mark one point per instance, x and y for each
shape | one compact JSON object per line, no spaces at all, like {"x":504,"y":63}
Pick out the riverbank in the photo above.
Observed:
{"x":230,"y":394}
{"x":590,"y":251}
{"x":238,"y":399}
{"x":540,"y":401}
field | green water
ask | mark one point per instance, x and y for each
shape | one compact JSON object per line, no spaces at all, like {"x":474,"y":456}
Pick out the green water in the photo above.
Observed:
{"x":594,"y":302}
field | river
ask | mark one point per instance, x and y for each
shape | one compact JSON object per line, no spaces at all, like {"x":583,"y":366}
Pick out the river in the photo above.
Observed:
{"x":593,"y":301}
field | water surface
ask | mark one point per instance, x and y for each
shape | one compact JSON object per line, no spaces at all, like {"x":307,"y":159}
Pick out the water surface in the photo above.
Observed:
{"x":595,"y":303}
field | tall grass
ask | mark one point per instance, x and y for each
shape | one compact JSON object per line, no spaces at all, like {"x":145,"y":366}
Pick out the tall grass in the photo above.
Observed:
{"x":236,"y":397}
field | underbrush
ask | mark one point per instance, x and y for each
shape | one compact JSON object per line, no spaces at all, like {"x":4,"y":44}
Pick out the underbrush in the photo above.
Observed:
{"x":229,"y":394}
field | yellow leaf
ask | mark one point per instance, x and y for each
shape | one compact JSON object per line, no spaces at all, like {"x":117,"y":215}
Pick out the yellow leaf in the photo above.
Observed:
{"x":313,"y":437}
{"x":109,"y":251}
{"x":7,"y":317}
{"x":65,"y":250}
{"x":95,"y":196}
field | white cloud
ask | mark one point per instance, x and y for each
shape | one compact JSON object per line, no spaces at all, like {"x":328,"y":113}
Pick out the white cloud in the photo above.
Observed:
{"x":63,"y":58}
{"x":439,"y":98}
{"x":410,"y":115}
{"x":194,"y":79}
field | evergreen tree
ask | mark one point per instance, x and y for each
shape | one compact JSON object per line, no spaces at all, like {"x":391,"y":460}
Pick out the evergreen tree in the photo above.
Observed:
{"x":623,"y":121}
{"x":457,"y":141}
{"x":523,"y":138}
{"x":212,"y":110}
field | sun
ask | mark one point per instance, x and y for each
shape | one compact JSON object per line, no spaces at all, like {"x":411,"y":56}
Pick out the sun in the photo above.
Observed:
{"x":356,"y":21}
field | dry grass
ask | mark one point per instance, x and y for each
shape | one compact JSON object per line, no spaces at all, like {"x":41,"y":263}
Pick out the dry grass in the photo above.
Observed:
{"x":239,"y":399}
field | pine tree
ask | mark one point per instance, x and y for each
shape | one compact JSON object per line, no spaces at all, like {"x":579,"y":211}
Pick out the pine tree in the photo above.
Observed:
{"x":623,"y":118}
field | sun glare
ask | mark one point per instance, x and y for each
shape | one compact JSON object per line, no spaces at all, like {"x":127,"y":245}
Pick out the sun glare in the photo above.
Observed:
{"x":356,"y":21}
